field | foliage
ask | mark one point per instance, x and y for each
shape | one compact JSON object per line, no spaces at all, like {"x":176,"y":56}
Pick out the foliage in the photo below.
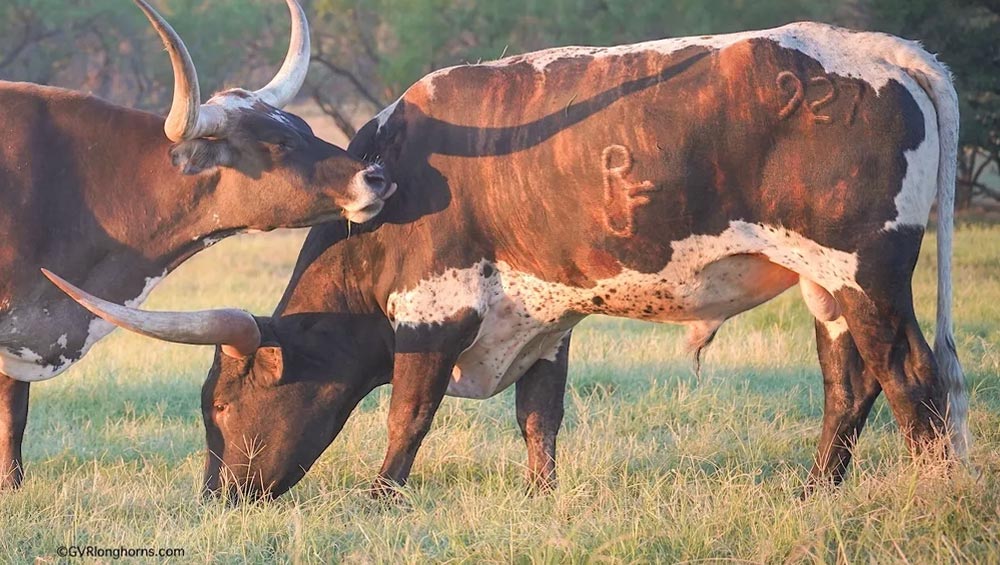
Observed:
{"x":109,"y":49}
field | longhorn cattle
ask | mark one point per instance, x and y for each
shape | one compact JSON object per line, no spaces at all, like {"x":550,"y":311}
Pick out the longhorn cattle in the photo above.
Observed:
{"x":684,"y":180}
{"x":97,"y":191}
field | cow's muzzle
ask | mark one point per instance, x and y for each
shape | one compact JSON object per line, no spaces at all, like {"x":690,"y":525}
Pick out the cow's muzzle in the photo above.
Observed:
{"x":370,"y":189}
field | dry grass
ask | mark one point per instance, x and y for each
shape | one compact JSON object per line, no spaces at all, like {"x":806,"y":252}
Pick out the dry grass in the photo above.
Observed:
{"x":655,"y":466}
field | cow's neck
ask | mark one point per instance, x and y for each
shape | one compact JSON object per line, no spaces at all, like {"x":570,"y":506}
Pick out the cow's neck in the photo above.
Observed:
{"x":328,"y":276}
{"x":332,"y":305}
{"x":154,"y":217}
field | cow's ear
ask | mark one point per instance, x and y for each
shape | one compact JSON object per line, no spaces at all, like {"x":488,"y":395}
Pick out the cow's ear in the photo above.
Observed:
{"x":198,"y":155}
{"x":269,"y":365}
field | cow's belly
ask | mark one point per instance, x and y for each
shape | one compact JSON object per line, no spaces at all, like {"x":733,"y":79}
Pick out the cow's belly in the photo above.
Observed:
{"x":519,"y":328}
{"x":708,"y":280}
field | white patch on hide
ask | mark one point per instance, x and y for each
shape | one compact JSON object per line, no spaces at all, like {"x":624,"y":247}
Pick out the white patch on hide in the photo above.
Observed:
{"x":553,"y":353}
{"x":151,"y":283}
{"x":836,"y":328}
{"x":913,"y":203}
{"x":99,"y":328}
{"x":26,"y":365}
{"x":383,"y":117}
{"x":525,"y":317}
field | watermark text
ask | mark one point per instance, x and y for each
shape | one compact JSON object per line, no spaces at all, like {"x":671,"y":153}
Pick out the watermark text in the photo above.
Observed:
{"x":96,"y":551}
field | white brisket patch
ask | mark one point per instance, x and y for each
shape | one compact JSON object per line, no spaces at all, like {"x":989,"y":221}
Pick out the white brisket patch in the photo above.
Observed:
{"x":525,"y":317}
{"x":99,"y":329}
{"x":26,"y":365}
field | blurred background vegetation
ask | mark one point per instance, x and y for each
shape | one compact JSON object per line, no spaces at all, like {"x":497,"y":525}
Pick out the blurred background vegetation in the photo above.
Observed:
{"x":367,"y":52}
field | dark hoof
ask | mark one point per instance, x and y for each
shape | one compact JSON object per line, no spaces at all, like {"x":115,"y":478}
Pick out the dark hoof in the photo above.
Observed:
{"x":539,"y":485}
{"x":386,"y":491}
{"x":12,"y":479}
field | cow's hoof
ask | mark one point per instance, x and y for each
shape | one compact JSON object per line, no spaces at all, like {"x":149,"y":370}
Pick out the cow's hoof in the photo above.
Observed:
{"x":385,"y":490}
{"x":541,"y":487}
{"x":541,"y":484}
{"x":12,"y":479}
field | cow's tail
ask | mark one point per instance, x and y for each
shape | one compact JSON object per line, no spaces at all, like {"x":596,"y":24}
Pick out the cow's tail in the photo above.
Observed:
{"x":935,"y":79}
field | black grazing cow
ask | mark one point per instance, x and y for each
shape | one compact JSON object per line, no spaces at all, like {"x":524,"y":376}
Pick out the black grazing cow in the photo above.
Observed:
{"x":98,"y":192}
{"x":684,"y":180}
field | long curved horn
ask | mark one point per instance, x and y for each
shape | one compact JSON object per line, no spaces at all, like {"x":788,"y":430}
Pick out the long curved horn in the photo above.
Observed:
{"x":235,"y":330}
{"x":187,"y":119}
{"x":292,"y":74}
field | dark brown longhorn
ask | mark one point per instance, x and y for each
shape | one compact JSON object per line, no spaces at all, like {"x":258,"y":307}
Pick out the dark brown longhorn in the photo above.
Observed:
{"x":117,"y":198}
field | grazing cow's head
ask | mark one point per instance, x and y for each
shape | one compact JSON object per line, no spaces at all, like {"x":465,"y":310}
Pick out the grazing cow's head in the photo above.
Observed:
{"x":280,"y":389}
{"x":270,"y":412}
{"x":267,"y":159}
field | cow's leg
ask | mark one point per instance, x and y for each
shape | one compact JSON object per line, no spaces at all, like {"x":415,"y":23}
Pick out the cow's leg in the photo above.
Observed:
{"x":539,"y":399}
{"x":422,"y":368}
{"x":13,"y":418}
{"x":848,"y":394}
{"x":889,"y":340}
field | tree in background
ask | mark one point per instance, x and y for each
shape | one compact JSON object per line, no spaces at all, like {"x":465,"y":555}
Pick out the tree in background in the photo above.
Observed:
{"x":109,"y":49}
{"x":966,"y":35}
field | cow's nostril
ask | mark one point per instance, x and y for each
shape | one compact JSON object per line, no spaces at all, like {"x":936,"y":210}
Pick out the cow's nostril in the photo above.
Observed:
{"x":374,"y":179}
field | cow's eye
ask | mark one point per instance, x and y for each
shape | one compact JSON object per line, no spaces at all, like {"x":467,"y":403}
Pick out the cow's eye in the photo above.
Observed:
{"x":219,"y":407}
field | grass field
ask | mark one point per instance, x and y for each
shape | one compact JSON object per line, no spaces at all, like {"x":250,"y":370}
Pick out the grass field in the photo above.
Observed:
{"x":655,"y":465}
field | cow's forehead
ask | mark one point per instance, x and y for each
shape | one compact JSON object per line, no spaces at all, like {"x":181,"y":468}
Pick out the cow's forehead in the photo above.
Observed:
{"x":238,"y":100}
